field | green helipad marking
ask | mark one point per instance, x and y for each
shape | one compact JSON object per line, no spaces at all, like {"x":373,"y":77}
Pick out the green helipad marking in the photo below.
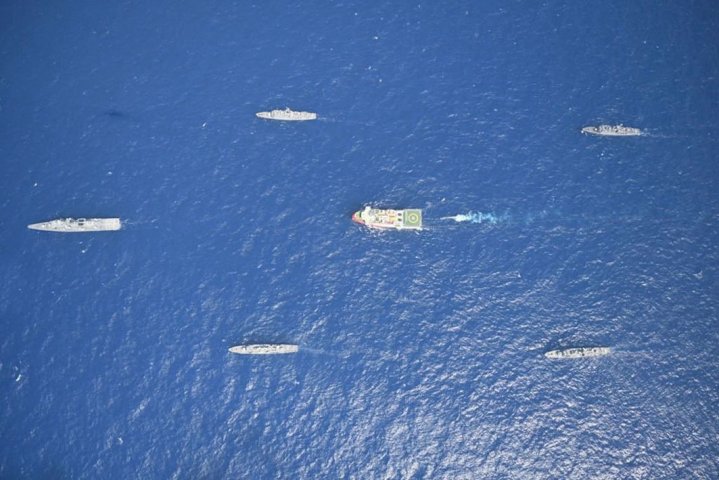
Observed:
{"x":412,"y":218}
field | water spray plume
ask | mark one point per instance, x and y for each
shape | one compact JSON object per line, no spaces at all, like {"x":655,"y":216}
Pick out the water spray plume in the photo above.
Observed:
{"x":475,"y":217}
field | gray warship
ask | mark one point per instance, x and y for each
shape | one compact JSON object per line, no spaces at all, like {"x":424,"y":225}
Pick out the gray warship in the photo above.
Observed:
{"x":287,"y":115}
{"x":578,"y":352}
{"x":612,"y":131}
{"x":75,"y":225}
{"x":264,"y":349}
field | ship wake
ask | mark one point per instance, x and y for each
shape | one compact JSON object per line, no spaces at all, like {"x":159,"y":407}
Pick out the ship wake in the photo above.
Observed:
{"x":478,"y":217}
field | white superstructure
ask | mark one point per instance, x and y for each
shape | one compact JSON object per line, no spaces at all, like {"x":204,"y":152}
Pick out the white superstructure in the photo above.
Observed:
{"x":406,"y":219}
{"x":74,"y":225}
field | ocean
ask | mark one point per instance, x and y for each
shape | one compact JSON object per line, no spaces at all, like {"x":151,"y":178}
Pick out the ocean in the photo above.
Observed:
{"x":421,"y":353}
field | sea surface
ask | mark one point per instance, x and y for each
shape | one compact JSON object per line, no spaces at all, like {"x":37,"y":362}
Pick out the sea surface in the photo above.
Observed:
{"x":421,"y":354}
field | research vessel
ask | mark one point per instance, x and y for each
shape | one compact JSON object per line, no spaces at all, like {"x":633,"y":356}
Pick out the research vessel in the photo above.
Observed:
{"x":408,"y":219}
{"x":287,"y":115}
{"x":578,"y":352}
{"x":612,"y":131}
{"x":74,"y":225}
{"x":264,"y":349}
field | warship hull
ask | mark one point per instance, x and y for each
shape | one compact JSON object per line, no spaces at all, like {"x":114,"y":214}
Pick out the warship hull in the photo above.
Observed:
{"x":578,"y":352}
{"x":287,"y":115}
{"x":264,"y":349}
{"x":78,"y":225}
{"x":612,"y":131}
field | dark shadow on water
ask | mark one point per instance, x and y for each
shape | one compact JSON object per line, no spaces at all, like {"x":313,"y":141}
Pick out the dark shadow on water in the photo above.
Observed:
{"x":113,"y":113}
{"x":118,"y":116}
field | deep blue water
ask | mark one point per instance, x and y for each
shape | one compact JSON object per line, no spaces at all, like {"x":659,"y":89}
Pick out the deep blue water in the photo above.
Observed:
{"x":421,"y":353}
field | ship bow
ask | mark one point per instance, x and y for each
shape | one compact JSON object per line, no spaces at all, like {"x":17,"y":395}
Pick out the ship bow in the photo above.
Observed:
{"x":357,"y":217}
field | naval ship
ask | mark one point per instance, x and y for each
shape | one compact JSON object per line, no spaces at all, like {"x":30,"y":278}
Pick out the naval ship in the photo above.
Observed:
{"x":264,"y":349}
{"x":409,"y":219}
{"x":287,"y":114}
{"x":73,"y":225}
{"x":612,"y":131}
{"x":578,"y":352}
